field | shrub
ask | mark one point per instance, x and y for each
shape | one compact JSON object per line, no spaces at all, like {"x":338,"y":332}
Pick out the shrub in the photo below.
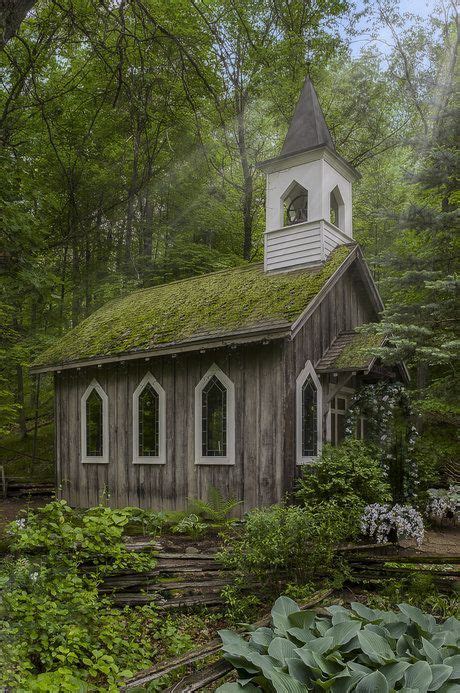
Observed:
{"x":52,"y":617}
{"x":385,"y":523}
{"x":283,"y":538}
{"x":347,"y":475}
{"x":357,"y":649}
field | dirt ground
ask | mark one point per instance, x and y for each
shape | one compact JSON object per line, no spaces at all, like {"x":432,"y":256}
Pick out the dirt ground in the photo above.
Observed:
{"x":10,"y":507}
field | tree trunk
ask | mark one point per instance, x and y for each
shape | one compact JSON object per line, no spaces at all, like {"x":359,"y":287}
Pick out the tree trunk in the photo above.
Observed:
{"x":12,"y":13}
{"x":247,"y":181}
{"x":20,"y":401}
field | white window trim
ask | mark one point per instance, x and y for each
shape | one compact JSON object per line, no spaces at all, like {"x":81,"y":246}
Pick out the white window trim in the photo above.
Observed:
{"x":308,"y":370}
{"x":345,"y":393}
{"x":150,"y":459}
{"x":95,"y":459}
{"x":229,"y":458}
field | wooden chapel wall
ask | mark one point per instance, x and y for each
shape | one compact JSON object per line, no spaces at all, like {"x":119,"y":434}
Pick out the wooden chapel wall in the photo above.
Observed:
{"x":257,"y":477}
{"x":346,"y":306}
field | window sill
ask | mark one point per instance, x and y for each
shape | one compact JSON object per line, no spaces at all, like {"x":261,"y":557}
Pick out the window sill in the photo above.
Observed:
{"x":149,"y":460}
{"x":307,"y":460}
{"x":212,"y":461}
{"x":94,"y":460}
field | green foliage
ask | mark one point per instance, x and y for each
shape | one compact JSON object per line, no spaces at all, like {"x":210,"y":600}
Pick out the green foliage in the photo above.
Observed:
{"x":51,"y":611}
{"x":420,"y":590}
{"x":190,"y":525}
{"x":287,"y":539}
{"x":216,"y":509}
{"x":240,"y":606}
{"x":348,"y":475}
{"x":359,"y":649}
{"x":94,"y":535}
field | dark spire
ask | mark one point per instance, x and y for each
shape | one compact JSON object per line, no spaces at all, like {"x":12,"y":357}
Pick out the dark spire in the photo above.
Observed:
{"x":308,"y":127}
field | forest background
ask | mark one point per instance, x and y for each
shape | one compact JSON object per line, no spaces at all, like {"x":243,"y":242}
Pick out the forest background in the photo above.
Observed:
{"x":130,"y":133}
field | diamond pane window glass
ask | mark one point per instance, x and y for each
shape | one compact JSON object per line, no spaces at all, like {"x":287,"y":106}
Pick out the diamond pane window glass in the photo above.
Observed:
{"x":309,"y":419}
{"x":214,"y":419}
{"x":149,"y":422}
{"x":94,"y":425}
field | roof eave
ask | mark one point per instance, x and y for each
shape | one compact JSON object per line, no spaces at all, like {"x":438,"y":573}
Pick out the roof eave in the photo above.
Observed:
{"x":196,"y":344}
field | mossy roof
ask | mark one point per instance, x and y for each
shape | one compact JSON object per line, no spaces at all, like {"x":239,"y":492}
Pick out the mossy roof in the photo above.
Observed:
{"x":240,"y":299}
{"x":350,"y":351}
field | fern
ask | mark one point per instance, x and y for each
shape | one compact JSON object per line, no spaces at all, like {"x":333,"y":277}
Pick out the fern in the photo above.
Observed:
{"x":216,"y":509}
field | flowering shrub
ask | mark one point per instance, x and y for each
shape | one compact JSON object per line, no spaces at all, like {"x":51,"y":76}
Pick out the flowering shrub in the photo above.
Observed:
{"x":442,"y":503}
{"x":385,"y":523}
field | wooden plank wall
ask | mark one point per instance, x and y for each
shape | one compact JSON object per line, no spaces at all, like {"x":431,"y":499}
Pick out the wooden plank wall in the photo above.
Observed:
{"x":345,"y":307}
{"x":258,"y":375}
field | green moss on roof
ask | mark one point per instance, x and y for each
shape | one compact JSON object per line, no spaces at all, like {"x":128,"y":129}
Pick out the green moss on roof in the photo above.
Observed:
{"x":208,"y":305}
{"x":358,"y":353}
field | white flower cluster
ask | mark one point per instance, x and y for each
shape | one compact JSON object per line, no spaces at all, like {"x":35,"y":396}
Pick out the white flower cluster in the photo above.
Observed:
{"x":378,"y":521}
{"x":442,"y":503}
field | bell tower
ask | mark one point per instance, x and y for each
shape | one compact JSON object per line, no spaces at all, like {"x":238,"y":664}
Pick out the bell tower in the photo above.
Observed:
{"x":308,"y":192}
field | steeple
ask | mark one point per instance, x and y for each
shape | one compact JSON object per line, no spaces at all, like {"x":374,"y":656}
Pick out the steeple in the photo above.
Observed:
{"x":308,"y":127}
{"x":309,"y":192}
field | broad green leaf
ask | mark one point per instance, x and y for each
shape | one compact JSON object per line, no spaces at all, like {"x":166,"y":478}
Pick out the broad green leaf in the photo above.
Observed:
{"x":394,"y":672}
{"x":364,"y":611}
{"x":345,"y":684}
{"x":418,"y":676}
{"x":454,"y":662}
{"x":282,"y":608}
{"x":301,"y":634}
{"x":432,"y":653}
{"x":396,"y":629}
{"x":372,"y":683}
{"x":302,"y":619}
{"x":376,"y":647}
{"x":360,"y":668}
{"x":440,"y":673}
{"x":283,"y":683}
{"x":343,"y":632}
{"x":452,"y":624}
{"x":340,"y":614}
{"x":298,"y":670}
{"x":426,"y":622}
{"x":281,"y":649}
{"x":262,"y":636}
{"x":321,"y":645}
{"x":322,"y":625}
{"x":449,"y":687}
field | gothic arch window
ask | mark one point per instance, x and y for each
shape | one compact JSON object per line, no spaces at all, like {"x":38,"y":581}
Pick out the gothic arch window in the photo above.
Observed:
{"x":336,"y":208}
{"x":149,"y":422}
{"x":295,"y":204}
{"x":94,"y":425}
{"x":215,"y":418}
{"x":308,"y":415}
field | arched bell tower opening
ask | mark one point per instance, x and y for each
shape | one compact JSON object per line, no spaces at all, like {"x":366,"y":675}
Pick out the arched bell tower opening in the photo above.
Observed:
{"x":336,"y":208}
{"x":295,"y":205}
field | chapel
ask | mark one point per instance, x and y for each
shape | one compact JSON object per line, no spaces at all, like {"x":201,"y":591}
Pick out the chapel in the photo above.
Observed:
{"x":234,"y":379}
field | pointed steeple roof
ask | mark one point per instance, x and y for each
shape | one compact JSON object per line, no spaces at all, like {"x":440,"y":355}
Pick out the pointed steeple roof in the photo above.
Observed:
{"x":308,"y":127}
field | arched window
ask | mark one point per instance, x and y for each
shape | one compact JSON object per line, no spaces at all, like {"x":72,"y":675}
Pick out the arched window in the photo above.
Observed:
{"x":215,"y":419}
{"x":149,"y":422}
{"x":295,"y":201}
{"x":94,"y":425}
{"x":336,"y":208}
{"x":309,"y":415}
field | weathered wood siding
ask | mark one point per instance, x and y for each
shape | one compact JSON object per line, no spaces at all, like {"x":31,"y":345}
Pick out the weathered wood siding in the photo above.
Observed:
{"x":346,"y":306}
{"x":257,"y":477}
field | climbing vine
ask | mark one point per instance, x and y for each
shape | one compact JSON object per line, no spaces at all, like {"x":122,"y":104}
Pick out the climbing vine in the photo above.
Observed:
{"x":388,"y":414}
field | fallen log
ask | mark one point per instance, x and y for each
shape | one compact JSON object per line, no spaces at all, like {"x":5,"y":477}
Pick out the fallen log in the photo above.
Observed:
{"x":212,"y":647}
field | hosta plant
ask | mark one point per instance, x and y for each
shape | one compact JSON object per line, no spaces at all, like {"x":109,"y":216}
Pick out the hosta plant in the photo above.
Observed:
{"x":357,"y":649}
{"x":385,"y":523}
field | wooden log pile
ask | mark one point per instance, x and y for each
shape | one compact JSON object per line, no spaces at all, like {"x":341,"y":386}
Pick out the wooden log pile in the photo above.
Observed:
{"x":23,"y":489}
{"x":178,"y":580}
